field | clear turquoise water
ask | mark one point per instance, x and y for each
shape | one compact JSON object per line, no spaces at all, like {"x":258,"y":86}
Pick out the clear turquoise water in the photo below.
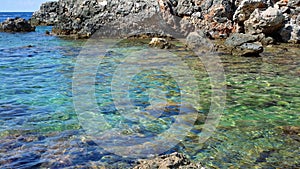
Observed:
{"x":39,"y":126}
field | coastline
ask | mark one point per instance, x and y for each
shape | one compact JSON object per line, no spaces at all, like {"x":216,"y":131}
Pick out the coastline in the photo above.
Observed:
{"x":227,"y":40}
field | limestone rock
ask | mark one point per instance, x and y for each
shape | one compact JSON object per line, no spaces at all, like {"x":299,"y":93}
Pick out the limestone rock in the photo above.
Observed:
{"x":267,"y":22}
{"x":160,"y":43}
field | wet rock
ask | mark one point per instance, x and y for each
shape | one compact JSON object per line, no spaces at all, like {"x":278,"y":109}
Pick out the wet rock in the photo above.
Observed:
{"x":174,"y":160}
{"x":244,"y":44}
{"x":160,"y":43}
{"x":267,"y":41}
{"x":16,"y":25}
{"x":248,"y":49}
{"x":237,"y":39}
{"x":267,"y":22}
{"x":199,"y":40}
{"x":291,"y":130}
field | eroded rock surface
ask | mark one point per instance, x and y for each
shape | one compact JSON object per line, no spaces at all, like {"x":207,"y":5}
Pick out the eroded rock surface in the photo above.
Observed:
{"x":16,"y":25}
{"x":244,"y":44}
{"x":279,"y":20}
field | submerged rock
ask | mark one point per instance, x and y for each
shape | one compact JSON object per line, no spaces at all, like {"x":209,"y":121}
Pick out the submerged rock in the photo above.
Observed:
{"x":160,"y":43}
{"x":16,"y":25}
{"x":174,"y":160}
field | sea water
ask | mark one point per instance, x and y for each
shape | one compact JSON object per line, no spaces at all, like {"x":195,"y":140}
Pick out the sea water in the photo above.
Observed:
{"x":39,"y":126}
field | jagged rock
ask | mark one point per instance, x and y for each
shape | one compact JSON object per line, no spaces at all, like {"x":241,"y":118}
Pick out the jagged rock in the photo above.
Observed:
{"x":291,"y":30}
{"x":267,"y":22}
{"x":160,"y":43}
{"x":244,"y":11}
{"x":16,"y":25}
{"x":47,"y":15}
{"x":83,"y":18}
{"x":171,"y":161}
{"x":216,"y":17}
{"x":244,"y":44}
{"x":185,"y":7}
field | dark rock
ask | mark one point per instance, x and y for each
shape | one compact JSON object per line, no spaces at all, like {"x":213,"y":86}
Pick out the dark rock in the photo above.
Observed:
{"x":171,"y":161}
{"x":237,"y":39}
{"x":16,"y":25}
{"x":244,"y":44}
{"x":290,"y":33}
{"x":47,"y":15}
{"x":248,"y":49}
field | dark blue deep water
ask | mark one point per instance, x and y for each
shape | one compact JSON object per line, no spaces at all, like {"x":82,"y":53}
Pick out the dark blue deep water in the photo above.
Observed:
{"x":39,"y":127}
{"x":5,"y":15}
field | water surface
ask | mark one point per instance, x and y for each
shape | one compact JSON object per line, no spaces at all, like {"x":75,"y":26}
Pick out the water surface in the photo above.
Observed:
{"x":39,"y":126}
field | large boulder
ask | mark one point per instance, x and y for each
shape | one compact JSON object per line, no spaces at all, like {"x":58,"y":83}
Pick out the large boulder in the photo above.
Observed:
{"x":16,"y":25}
{"x":244,"y":10}
{"x":244,"y":44}
{"x":268,"y":21}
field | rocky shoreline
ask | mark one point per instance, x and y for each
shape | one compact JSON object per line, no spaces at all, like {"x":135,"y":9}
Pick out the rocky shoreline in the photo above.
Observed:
{"x":279,"y":20}
{"x":247,"y":25}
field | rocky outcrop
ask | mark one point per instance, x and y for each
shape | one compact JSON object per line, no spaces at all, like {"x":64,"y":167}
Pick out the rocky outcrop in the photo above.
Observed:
{"x":244,"y":10}
{"x":291,"y":11}
{"x":244,"y":44}
{"x":16,"y":25}
{"x":47,"y":15}
{"x":217,"y":19}
{"x":174,"y":160}
{"x":268,"y":21}
{"x":83,"y":18}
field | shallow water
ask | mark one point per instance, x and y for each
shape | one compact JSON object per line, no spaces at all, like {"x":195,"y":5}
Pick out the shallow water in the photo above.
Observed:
{"x":39,"y":126}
